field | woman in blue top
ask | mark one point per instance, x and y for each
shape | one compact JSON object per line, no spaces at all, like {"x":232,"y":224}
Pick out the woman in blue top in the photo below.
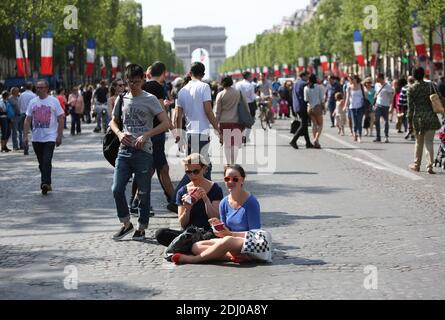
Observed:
{"x":240,"y":213}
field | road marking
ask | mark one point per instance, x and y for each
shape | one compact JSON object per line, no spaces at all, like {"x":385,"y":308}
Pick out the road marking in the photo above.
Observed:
{"x":388,"y":165}
{"x":381,"y":164}
{"x":368,"y":163}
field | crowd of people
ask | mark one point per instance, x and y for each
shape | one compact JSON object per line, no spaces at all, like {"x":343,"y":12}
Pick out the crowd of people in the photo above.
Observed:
{"x":141,"y":108}
{"x":357,"y":104}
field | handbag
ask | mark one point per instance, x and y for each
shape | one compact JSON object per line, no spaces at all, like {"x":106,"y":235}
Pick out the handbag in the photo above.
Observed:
{"x":244,"y":117}
{"x":110,"y":142}
{"x":366,"y":103}
{"x":296,"y":124}
{"x":436,"y":101}
{"x":184,"y":242}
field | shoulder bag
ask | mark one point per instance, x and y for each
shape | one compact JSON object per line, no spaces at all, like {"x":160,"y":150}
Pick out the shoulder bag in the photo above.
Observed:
{"x":110,"y":142}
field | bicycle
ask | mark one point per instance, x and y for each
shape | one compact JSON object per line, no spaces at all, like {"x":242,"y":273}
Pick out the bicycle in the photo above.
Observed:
{"x":266,"y":115}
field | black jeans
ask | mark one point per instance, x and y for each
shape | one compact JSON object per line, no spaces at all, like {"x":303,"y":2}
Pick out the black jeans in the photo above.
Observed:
{"x":303,"y":130}
{"x":75,"y":123}
{"x":44,"y":152}
{"x":253,"y":107}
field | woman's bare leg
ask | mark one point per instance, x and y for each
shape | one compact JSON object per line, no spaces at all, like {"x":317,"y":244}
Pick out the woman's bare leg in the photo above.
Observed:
{"x":216,"y":252}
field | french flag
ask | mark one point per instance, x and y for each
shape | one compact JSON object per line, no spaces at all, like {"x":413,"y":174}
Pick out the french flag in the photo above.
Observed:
{"x":114,"y":63}
{"x":324,"y":63}
{"x":375,"y":50}
{"x":103,"y":67}
{"x":300,"y":64}
{"x":286,"y":69}
{"x":358,"y":48}
{"x":91,"y":56}
{"x":277,"y":70}
{"x":46,"y":61}
{"x":21,"y":60}
{"x":437,"y":46}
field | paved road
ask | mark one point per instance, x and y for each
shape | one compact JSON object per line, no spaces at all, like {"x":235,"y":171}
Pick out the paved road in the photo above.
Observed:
{"x":334,"y":214}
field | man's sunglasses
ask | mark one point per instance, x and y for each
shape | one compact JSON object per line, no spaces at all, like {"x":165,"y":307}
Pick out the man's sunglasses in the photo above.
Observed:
{"x":231,"y":179}
{"x":195,"y":172}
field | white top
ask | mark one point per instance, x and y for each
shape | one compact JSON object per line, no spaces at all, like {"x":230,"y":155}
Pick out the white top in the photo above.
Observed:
{"x":191,"y":99}
{"x":248,"y":90}
{"x":44,"y":115}
{"x":314,"y":96}
{"x":24,"y":100}
{"x":385,"y":96}
{"x":356,"y":98}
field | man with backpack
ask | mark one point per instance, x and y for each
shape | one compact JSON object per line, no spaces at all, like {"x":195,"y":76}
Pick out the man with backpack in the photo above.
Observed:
{"x":135,"y":112}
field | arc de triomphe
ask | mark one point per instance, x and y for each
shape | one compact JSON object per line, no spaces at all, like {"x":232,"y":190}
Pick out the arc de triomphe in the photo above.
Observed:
{"x":210,"y":38}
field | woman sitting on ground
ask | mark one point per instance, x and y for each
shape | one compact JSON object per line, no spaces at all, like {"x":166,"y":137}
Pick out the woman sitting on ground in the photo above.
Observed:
{"x":197,"y":202}
{"x":240,"y":239}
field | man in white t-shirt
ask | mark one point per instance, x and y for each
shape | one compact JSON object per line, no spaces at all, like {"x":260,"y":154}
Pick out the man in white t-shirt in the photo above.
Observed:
{"x":195,"y":102}
{"x":47,"y":116}
{"x":248,"y":89}
{"x":384,"y":96}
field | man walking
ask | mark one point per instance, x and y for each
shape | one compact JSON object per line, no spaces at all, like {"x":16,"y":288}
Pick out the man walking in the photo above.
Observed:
{"x":139,"y":108}
{"x":384,"y":96}
{"x":17,"y":132}
{"x":156,"y":75}
{"x":24,"y":100}
{"x":332,"y":88}
{"x":300,"y":107}
{"x":195,"y":101}
{"x":248,"y":89}
{"x":101,"y":106}
{"x":47,"y":116}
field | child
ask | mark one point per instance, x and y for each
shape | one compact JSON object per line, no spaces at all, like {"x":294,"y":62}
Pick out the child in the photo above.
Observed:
{"x":275,"y":104}
{"x":284,"y":108}
{"x":340,"y":113}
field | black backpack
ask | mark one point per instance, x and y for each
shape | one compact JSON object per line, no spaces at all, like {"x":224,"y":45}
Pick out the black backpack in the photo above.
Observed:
{"x":110,"y":142}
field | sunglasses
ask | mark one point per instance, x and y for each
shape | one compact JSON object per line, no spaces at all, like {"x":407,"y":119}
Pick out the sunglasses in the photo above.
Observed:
{"x":195,"y":172}
{"x":232,"y":179}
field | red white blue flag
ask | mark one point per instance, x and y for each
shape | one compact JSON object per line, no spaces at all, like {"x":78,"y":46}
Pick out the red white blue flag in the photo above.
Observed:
{"x":300,"y":64}
{"x":324,"y":63}
{"x":21,"y":56}
{"x":46,"y":60}
{"x":114,"y":64}
{"x":103,"y":67}
{"x":437,"y":46}
{"x":91,"y":56}
{"x":277,"y":70}
{"x":358,"y":48}
{"x":286,"y":69}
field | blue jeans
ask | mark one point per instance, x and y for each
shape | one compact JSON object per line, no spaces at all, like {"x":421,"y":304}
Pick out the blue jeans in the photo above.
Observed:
{"x":139,"y":162}
{"x":102,"y":116}
{"x":196,"y":143}
{"x":44,"y":152}
{"x":357,"y":120}
{"x":379,"y":112}
{"x":16,"y":133}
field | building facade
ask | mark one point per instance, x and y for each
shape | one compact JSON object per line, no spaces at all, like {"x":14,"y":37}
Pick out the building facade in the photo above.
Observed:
{"x":212,"y":39}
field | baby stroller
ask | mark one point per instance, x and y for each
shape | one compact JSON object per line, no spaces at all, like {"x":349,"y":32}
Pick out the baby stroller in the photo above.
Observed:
{"x":440,"y":159}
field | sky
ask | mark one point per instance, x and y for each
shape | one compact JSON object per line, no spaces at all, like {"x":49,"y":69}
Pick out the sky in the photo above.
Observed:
{"x":243,"y":19}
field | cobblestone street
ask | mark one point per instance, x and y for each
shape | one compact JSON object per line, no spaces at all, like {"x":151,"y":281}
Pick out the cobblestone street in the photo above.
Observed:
{"x":332,"y":213}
